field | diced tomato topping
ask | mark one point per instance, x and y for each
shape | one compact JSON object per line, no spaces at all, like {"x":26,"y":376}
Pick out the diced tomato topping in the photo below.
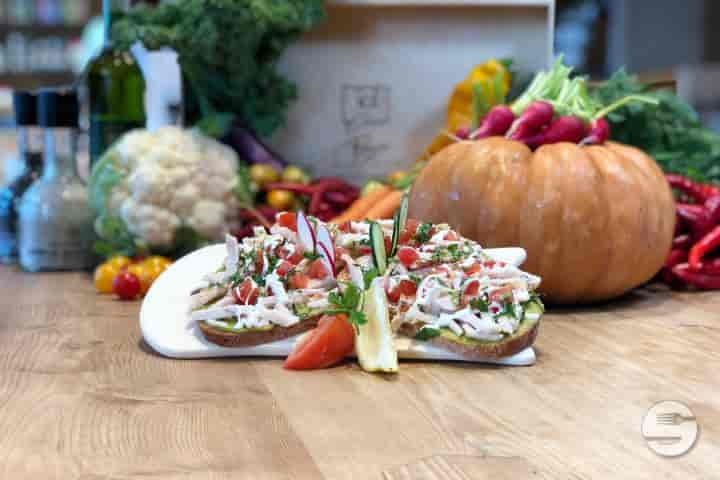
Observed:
{"x":296,"y":257}
{"x":345,"y":227}
{"x":472,"y":288}
{"x":409,"y":231}
{"x":328,"y":344}
{"x":317,"y":270}
{"x":340,"y":251}
{"x":502,"y":264}
{"x":404,"y":288}
{"x":246,"y":293}
{"x":408,"y":256}
{"x":488,"y":264}
{"x":364,"y":250}
{"x":298,"y":280}
{"x":288,"y":220}
{"x":500,"y":293}
{"x":451,"y":236}
{"x":472,"y":269}
{"x":284,"y":268}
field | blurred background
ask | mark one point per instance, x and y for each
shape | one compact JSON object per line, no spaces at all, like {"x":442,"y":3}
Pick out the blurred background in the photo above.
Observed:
{"x":669,"y":42}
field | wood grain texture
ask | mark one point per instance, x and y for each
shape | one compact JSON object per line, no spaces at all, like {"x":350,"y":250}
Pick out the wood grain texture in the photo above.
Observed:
{"x":81,"y":396}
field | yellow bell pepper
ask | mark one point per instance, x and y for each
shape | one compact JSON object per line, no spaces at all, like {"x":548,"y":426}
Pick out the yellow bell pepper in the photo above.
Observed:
{"x":460,"y":105}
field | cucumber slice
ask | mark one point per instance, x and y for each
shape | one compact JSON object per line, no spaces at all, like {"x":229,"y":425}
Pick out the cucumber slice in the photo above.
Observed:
{"x":399,"y":223}
{"x":377,"y":244}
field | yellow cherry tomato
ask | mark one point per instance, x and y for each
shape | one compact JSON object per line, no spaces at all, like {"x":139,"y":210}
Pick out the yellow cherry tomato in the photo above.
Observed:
{"x":157,"y":261}
{"x":263,"y":174}
{"x":104,"y":275}
{"x":280,"y":199}
{"x":144,"y":274}
{"x":293,"y":174}
{"x":119,"y":261}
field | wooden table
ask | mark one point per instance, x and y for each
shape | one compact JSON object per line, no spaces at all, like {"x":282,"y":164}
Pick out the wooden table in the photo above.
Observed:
{"x":81,"y":396}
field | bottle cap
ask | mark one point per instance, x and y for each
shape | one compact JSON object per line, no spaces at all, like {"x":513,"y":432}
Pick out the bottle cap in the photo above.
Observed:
{"x":25,"y":106}
{"x":58,"y":107}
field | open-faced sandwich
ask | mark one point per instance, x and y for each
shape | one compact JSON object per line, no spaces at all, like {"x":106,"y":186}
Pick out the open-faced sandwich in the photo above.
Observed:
{"x":384,"y":278}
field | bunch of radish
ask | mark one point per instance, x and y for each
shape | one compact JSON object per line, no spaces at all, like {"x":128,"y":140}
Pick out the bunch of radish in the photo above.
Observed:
{"x":554,"y":108}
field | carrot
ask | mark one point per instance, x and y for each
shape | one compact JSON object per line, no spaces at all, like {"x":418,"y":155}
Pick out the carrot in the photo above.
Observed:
{"x":359,"y":207}
{"x":385,"y":207}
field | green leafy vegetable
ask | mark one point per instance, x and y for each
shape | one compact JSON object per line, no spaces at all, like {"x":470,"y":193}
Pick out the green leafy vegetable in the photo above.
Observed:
{"x":422,"y":234}
{"x":670,"y":132}
{"x":227,"y":50}
{"x":348,"y":302}
{"x":479,"y":304}
{"x":426,"y":333}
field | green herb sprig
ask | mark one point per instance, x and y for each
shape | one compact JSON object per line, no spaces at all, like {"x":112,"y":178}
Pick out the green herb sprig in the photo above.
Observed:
{"x":348,"y":302}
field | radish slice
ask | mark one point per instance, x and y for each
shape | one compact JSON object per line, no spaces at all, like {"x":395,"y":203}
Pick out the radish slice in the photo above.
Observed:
{"x":327,"y":249}
{"x":327,"y":260}
{"x":306,"y":234}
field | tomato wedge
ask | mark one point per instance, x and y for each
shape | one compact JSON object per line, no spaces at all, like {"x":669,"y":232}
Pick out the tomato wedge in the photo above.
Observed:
{"x":328,"y":344}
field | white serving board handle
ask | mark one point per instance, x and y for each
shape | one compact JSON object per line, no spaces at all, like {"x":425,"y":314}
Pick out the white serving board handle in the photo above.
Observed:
{"x":166,"y":326}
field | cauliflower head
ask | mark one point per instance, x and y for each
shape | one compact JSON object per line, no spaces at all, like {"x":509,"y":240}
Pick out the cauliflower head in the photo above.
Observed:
{"x":157,"y":190}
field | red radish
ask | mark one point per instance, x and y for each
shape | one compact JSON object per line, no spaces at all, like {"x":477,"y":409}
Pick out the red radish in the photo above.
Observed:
{"x":496,"y":122}
{"x":536,"y":115}
{"x":326,"y":248}
{"x":599,"y":132}
{"x":564,"y":129}
{"x":306,"y":234}
{"x":463,"y":133}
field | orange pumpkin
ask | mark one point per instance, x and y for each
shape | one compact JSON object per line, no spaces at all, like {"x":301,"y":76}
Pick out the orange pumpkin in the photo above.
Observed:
{"x":596,"y":221}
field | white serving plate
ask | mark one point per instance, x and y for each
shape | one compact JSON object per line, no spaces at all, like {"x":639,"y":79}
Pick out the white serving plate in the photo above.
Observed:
{"x":166,"y":327}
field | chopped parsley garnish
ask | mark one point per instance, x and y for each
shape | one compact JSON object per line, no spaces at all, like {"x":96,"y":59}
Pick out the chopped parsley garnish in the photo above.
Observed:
{"x":311,"y":256}
{"x":451,"y":253}
{"x":348,"y":302}
{"x":422,"y":234}
{"x":415,"y":278}
{"x":426,"y":333}
{"x":479,"y":304}
{"x":302,"y":310}
{"x":508,"y":310}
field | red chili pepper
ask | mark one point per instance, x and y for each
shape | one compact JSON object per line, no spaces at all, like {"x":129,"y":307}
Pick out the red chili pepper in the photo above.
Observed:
{"x":706,"y":244}
{"x":697,"y":217}
{"x":697,"y":191}
{"x":699,"y":280}
{"x":711,"y":267}
{"x":683,"y":242}
{"x":712,"y":205}
{"x":676,"y":256}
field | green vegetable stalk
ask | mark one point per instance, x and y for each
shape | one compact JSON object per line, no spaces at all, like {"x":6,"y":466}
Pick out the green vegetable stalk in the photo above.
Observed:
{"x":227,"y":50}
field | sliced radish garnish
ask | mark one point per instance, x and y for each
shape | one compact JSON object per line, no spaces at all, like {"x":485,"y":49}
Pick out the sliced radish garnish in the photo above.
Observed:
{"x":306,"y":234}
{"x":327,"y":260}
{"x":323,"y":237}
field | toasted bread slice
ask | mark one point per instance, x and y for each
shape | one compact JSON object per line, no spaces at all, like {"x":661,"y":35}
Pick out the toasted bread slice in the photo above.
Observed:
{"x":478,"y":349}
{"x":254,"y":337}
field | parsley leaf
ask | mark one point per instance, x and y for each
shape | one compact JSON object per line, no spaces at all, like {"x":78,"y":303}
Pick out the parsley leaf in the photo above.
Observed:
{"x":422,"y":234}
{"x":348,"y":302}
{"x":479,"y":304}
{"x":370,"y":275}
{"x":426,"y":333}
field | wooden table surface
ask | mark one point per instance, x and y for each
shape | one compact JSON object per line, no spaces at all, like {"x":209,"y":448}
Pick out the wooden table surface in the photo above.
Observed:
{"x":81,"y":396}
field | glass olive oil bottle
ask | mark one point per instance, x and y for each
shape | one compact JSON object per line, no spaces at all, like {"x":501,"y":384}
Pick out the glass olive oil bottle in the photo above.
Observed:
{"x":116,"y":88}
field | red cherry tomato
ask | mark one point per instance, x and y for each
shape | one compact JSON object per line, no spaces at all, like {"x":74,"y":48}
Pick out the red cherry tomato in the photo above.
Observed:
{"x":472,"y":288}
{"x":126,"y":285}
{"x":288,"y":220}
{"x":345,"y":227}
{"x":246,"y":293}
{"x":298,"y":280}
{"x":408,"y":256}
{"x":406,"y":288}
{"x":317,"y":270}
{"x":284,"y":268}
{"x":328,"y":344}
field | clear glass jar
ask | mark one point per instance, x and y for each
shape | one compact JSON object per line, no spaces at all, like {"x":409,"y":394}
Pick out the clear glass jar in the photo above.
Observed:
{"x":55,"y":220}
